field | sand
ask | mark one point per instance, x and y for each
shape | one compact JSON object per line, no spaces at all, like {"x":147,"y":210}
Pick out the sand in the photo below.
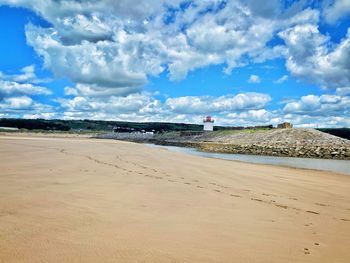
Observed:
{"x":86,"y":200}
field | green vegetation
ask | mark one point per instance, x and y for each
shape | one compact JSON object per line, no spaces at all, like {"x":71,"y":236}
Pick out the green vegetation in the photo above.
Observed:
{"x":95,"y":126}
{"x":245,"y":130}
{"x":82,"y":126}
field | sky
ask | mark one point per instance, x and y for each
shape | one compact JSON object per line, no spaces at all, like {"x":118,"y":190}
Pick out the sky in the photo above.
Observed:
{"x":243,"y":62}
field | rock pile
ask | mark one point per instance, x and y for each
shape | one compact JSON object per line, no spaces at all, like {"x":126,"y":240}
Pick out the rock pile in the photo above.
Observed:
{"x":306,"y":143}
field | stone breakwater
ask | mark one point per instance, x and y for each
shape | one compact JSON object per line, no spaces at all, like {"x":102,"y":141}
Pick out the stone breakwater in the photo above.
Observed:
{"x":303,"y":143}
{"x":323,"y":152}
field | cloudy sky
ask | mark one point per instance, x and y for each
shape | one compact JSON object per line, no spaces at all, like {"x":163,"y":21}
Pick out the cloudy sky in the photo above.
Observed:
{"x":241,"y":61}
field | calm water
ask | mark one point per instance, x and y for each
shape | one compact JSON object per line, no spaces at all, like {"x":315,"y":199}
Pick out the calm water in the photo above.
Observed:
{"x":339,"y":166}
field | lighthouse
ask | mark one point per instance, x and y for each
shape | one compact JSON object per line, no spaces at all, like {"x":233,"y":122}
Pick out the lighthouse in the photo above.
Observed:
{"x":208,"y":124}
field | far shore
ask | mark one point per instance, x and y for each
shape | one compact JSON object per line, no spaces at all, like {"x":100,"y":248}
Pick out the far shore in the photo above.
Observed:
{"x":292,"y":142}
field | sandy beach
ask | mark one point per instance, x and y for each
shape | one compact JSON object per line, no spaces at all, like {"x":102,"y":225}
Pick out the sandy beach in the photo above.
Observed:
{"x":88,"y":200}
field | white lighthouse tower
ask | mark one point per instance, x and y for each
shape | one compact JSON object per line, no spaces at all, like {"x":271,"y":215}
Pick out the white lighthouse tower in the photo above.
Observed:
{"x":208,"y":124}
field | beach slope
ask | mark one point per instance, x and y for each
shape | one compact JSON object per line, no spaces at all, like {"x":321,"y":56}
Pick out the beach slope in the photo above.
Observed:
{"x":86,"y":200}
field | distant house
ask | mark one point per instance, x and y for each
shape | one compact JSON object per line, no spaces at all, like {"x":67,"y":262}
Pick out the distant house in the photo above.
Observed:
{"x":208,"y":124}
{"x":9,"y":129}
{"x":285,"y":125}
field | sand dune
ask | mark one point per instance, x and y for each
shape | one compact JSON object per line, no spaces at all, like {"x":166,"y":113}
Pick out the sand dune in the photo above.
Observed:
{"x":85,"y":200}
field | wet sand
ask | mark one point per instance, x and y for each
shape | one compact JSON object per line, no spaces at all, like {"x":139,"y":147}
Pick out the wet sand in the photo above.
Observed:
{"x":86,"y":200}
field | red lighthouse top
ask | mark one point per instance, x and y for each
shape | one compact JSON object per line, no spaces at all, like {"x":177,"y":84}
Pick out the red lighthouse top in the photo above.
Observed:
{"x":208,"y":119}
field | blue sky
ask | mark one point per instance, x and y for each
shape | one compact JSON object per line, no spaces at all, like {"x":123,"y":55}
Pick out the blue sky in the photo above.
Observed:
{"x":177,"y":61}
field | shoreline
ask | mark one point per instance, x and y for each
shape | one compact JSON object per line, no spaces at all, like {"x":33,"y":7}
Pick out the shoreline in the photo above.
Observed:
{"x":302,"y":143}
{"x":299,"y":150}
{"x":196,"y":152}
{"x":84,"y":137}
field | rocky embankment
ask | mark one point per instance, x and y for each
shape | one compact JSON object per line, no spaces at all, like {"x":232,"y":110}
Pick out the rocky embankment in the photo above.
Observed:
{"x":306,"y":143}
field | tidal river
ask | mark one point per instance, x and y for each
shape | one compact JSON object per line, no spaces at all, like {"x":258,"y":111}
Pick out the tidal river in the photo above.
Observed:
{"x":338,"y":166}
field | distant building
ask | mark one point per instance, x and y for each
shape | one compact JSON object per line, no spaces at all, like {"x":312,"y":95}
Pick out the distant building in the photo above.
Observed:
{"x":9,"y":128}
{"x":208,"y":124}
{"x":285,"y":125}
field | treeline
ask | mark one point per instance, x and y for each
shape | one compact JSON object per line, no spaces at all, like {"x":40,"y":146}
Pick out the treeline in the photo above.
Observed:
{"x":95,"y":125}
{"x":92,"y":125}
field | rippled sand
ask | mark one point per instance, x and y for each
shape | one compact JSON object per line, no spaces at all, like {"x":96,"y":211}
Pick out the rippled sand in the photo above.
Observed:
{"x":85,"y":200}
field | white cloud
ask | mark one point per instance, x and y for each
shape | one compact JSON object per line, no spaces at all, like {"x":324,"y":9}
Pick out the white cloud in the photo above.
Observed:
{"x":145,"y":107}
{"x":314,"y":58}
{"x":282,"y":79}
{"x":11,"y":88}
{"x":324,"y":105}
{"x":27,"y":75}
{"x":105,"y":63}
{"x":254,"y":79}
{"x":25,"y":107}
{"x":209,"y":105}
{"x":118,"y":44}
{"x":337,"y":10}
{"x":22,"y":103}
{"x":343,"y":91}
{"x":109,"y":49}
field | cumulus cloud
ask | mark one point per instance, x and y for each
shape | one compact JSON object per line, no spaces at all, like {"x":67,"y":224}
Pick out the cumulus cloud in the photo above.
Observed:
{"x":109,"y":49}
{"x":336,"y":10}
{"x":343,"y":91}
{"x":24,"y":107}
{"x":314,"y":58}
{"x":146,"y":107}
{"x":26,"y":75}
{"x":254,"y":79}
{"x":15,"y":89}
{"x":22,"y":103}
{"x":102,"y":63}
{"x":324,"y":105}
{"x":118,"y":44}
{"x":11,"y":88}
{"x":207,"y":104}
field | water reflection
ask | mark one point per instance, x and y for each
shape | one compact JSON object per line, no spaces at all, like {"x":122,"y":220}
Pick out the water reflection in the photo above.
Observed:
{"x":339,"y":166}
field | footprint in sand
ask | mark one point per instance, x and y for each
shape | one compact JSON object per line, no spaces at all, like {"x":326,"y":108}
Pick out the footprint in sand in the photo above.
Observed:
{"x":312,"y":212}
{"x":281,"y":206}
{"x":306,"y":251}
